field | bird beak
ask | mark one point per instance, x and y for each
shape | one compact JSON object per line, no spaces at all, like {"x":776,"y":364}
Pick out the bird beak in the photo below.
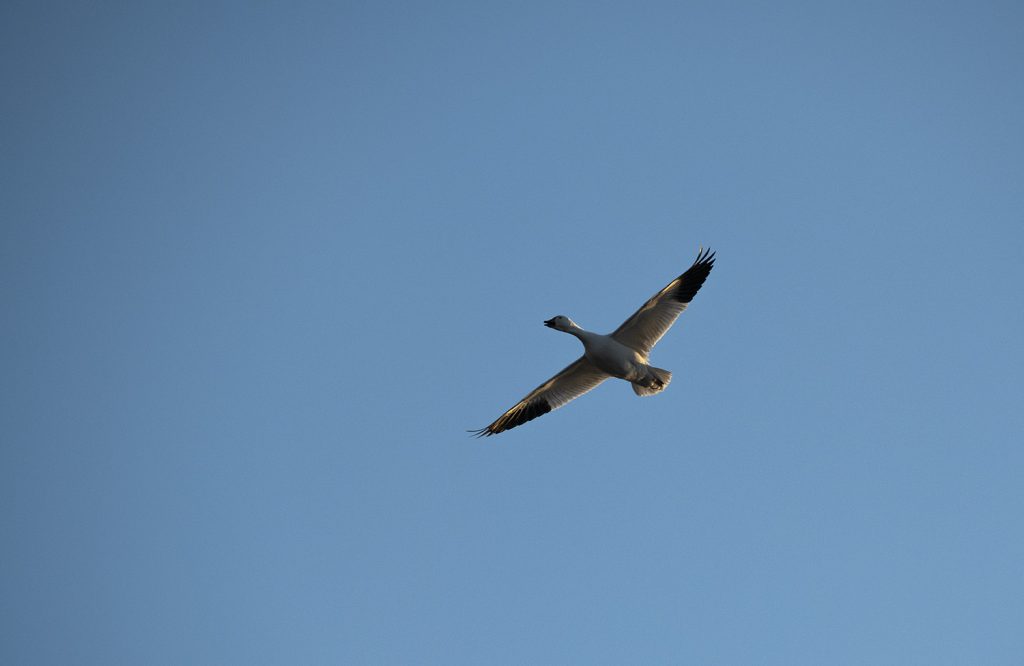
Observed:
{"x":550,"y":323}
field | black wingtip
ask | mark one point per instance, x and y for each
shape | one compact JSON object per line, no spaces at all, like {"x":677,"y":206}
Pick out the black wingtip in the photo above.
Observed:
{"x":517,"y":416}
{"x":690,"y":282}
{"x":705,"y":256}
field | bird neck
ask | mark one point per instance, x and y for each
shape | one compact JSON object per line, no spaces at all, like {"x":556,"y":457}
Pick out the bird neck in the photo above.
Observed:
{"x":577,"y":331}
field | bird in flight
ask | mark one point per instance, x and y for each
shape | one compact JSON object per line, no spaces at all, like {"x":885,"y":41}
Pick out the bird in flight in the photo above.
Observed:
{"x":622,"y":354}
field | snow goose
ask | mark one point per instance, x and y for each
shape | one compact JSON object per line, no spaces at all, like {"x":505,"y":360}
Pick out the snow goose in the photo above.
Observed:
{"x":622,"y":354}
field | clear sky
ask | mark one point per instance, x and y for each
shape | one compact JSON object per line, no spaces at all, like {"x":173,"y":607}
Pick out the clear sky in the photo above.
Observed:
{"x":262,"y":265}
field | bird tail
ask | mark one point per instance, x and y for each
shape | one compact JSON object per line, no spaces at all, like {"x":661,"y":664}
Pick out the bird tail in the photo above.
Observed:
{"x":655,"y":382}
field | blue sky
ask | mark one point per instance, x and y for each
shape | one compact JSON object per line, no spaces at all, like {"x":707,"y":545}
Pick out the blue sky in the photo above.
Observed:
{"x":263,"y":265}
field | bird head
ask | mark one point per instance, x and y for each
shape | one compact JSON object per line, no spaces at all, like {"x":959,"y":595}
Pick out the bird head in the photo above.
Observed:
{"x":560,"y":323}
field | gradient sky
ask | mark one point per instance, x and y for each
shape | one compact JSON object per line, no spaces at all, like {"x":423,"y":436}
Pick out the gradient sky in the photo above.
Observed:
{"x":264,"y":263}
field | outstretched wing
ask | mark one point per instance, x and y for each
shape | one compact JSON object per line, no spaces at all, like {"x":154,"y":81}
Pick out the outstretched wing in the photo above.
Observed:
{"x":569,"y":384}
{"x":643,"y":330}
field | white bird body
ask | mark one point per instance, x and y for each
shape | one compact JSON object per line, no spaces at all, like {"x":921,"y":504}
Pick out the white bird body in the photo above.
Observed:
{"x":621,"y":354}
{"x":610,"y":355}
